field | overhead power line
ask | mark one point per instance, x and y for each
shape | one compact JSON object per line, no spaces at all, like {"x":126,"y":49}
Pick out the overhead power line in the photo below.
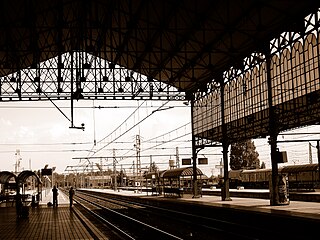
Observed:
{"x":44,"y":144}
{"x":158,"y":109}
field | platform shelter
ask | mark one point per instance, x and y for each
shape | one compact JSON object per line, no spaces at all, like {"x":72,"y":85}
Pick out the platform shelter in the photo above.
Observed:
{"x":174,"y":182}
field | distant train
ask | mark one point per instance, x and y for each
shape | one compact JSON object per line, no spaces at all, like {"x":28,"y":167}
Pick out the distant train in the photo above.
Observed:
{"x":300,"y":177}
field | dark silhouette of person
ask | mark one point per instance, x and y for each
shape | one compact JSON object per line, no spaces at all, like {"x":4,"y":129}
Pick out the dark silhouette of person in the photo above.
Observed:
{"x":19,"y":204}
{"x":55,"y":196}
{"x":71,"y":194}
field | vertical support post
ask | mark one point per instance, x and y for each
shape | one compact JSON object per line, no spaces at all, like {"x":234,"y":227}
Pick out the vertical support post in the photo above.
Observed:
{"x":225,"y":193}
{"x":318,"y":153}
{"x":194,"y":154}
{"x":273,"y":133}
{"x":71,"y":87}
{"x":274,"y":190}
{"x":114,"y":170}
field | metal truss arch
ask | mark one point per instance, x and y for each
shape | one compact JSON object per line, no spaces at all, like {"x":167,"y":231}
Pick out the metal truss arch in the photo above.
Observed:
{"x":80,"y":75}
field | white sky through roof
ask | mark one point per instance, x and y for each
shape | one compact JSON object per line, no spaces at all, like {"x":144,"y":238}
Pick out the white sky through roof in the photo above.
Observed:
{"x":43,"y":136}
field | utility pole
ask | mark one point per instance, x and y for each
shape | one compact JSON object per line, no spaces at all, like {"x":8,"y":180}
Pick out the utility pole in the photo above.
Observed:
{"x":310,"y":153}
{"x":114,"y":170}
{"x":177,"y":158}
{"x":137,"y":145}
{"x":220,"y":167}
{"x":18,"y":160}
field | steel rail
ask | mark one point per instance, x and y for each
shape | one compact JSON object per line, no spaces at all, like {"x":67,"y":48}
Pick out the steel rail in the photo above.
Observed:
{"x":123,"y":216}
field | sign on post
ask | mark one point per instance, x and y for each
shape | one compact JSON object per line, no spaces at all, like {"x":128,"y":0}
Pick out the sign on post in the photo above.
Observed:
{"x":186,"y":161}
{"x":46,"y":171}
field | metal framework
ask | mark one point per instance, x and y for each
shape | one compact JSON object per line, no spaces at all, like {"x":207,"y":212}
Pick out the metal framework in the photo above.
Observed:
{"x":80,"y":75}
{"x":295,"y":90}
{"x":250,"y":68}
{"x":54,"y":49}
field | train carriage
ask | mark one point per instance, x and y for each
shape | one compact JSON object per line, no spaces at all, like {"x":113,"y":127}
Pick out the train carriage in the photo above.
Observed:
{"x":300,"y":177}
{"x":256,"y":178}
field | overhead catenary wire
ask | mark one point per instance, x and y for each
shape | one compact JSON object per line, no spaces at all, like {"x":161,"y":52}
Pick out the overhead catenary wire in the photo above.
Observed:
{"x":159,"y":143}
{"x":137,"y":108}
{"x":128,"y":130}
{"x":95,"y":143}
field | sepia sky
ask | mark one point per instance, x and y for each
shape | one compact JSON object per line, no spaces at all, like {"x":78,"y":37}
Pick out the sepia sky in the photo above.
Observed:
{"x":42,"y":135}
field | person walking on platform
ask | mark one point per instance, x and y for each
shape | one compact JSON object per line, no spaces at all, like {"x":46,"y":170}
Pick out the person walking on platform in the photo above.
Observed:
{"x":71,"y":194}
{"x":55,"y":196}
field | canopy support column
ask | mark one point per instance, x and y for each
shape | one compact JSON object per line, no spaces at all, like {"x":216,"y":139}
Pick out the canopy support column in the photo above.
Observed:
{"x":225,"y":193}
{"x":194,"y":155}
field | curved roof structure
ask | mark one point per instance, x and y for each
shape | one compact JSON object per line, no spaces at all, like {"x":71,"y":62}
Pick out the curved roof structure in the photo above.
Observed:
{"x":24,"y":175}
{"x":183,"y":43}
{"x":180,"y":172}
{"x":5,"y":176}
{"x":150,"y":175}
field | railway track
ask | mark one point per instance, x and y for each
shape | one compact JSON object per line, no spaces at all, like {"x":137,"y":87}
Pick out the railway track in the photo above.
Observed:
{"x":133,"y":220}
{"x":109,"y":215}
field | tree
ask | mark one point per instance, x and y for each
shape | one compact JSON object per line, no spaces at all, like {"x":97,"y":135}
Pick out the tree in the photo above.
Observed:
{"x":243,"y":155}
{"x":263,"y":165}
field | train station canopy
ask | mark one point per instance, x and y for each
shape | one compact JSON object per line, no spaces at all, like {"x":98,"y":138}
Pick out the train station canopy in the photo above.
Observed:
{"x":24,"y":175}
{"x":184,"y":43}
{"x":180,"y":172}
{"x":152,"y":175}
{"x":5,"y":176}
{"x":173,"y":173}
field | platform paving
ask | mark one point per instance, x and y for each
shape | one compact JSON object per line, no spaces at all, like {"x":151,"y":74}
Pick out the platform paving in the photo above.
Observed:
{"x":44,"y":222}
{"x":62,"y":223}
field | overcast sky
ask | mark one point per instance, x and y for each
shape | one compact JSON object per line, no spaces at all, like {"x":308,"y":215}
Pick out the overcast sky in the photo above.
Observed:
{"x":42,"y":135}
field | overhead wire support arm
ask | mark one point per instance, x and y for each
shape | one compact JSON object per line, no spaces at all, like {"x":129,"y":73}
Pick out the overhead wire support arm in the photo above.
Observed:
{"x":72,"y":96}
{"x":70,"y":120}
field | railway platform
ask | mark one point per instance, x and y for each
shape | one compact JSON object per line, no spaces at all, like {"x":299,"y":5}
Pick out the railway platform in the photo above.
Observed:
{"x":64,"y":223}
{"x":304,"y":209}
{"x":47,"y":222}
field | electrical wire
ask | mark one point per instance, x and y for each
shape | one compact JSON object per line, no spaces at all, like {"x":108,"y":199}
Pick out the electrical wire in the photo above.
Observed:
{"x":44,"y":144}
{"x":137,"y":108}
{"x":95,"y":143}
{"x":129,"y":129}
{"x":162,"y":135}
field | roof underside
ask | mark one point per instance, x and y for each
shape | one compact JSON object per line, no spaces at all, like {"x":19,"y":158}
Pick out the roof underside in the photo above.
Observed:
{"x":182,"y":43}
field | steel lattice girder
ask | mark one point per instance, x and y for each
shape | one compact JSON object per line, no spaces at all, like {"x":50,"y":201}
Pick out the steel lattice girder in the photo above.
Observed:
{"x":83,"y":76}
{"x":184,"y":43}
